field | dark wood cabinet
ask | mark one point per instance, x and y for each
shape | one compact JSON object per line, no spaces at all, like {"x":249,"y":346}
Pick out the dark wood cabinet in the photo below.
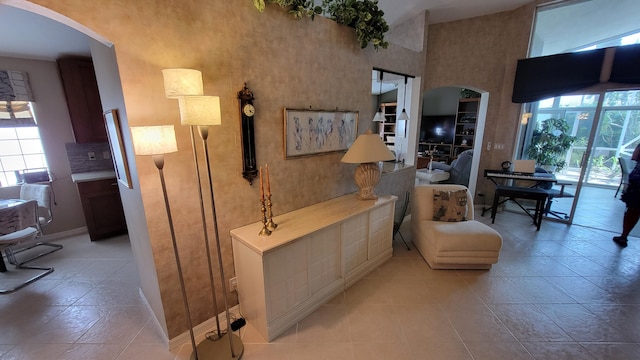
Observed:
{"x":102,"y":208}
{"x":83,"y":99}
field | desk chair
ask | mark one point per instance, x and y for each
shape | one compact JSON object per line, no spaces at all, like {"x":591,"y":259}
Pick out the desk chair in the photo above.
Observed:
{"x":43,"y":194}
{"x":397,"y":223}
{"x":625,"y":167}
{"x":18,"y":224}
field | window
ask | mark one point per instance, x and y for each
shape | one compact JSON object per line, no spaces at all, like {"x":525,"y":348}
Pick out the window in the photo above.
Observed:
{"x":20,"y":147}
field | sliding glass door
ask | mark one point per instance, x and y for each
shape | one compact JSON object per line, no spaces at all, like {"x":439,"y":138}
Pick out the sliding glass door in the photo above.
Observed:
{"x":604,"y":128}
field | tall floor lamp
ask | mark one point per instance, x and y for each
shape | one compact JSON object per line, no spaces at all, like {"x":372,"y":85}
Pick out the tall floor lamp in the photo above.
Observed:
{"x":203,"y":111}
{"x":157,"y":141}
{"x":188,"y":82}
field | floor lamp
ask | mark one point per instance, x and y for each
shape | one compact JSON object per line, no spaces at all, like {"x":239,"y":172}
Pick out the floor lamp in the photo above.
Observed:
{"x":201,"y":112}
{"x":188,"y":82}
{"x":157,"y":141}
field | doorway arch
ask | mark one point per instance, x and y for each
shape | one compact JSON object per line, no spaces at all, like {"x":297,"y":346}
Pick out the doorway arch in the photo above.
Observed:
{"x":106,"y":68}
{"x":444,"y":101}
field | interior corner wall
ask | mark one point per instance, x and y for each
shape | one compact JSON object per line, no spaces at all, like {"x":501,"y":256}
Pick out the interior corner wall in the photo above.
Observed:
{"x":111,"y":97}
{"x":285,"y":62}
{"x":482,"y":53}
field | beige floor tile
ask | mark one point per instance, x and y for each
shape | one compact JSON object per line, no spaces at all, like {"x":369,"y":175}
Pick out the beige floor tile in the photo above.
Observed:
{"x":564,"y":292}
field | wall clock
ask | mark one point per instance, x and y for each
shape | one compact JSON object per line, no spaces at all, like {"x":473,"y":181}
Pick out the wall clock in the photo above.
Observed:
{"x":247,"y":112}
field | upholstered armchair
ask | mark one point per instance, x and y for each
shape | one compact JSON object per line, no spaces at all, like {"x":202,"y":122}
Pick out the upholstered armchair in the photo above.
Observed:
{"x":456,"y":240}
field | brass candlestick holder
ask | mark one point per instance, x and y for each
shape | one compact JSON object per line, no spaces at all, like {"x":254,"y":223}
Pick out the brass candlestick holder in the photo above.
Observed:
{"x":270,"y":224}
{"x":265,"y":230}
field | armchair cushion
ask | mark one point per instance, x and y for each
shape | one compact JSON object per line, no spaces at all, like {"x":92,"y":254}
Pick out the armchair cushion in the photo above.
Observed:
{"x":450,"y":206}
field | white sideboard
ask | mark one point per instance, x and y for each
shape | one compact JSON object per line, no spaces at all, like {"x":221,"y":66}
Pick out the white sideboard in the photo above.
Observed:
{"x":315,"y":253}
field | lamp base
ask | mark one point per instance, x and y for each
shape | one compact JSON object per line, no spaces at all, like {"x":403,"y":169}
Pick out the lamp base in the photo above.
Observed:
{"x":367,"y":176}
{"x":219,"y":349}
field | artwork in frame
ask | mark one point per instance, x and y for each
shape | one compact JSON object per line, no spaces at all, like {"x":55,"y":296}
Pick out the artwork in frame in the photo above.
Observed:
{"x":114,"y":133}
{"x":310,"y":132}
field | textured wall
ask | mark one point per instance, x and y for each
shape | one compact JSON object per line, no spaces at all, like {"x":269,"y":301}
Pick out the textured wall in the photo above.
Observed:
{"x":482,"y":53}
{"x":286,"y":63}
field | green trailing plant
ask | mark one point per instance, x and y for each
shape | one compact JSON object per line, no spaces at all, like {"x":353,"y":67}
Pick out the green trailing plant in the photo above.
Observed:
{"x":362,"y":15}
{"x":550,"y":143}
{"x":298,"y":8}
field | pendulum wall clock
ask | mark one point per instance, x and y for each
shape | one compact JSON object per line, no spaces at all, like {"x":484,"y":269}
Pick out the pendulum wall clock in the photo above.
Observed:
{"x":247,"y":112}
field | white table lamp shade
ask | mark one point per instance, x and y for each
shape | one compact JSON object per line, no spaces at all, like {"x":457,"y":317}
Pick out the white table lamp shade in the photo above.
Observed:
{"x":182,"y":82}
{"x":200,"y":110}
{"x":367,"y":148}
{"x":154,"y":140}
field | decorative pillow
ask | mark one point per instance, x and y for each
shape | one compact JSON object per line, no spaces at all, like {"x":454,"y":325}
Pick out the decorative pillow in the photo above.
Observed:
{"x":450,"y":206}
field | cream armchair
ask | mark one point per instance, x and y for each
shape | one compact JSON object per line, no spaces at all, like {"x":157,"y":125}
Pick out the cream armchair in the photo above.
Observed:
{"x":466,"y":244}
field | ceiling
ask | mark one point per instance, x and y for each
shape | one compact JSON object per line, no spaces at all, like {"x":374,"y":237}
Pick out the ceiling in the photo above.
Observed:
{"x":30,"y":36}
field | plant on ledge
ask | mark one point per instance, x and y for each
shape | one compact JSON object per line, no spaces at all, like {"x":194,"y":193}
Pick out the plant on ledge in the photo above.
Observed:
{"x":362,"y":15}
{"x":550,"y":143}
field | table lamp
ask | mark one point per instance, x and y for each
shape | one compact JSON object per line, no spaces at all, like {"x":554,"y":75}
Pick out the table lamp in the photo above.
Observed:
{"x":367,"y":150}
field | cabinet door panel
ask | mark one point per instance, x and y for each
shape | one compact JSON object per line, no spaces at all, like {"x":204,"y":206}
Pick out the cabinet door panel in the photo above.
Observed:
{"x":324,"y":258}
{"x":354,"y":235}
{"x":381,"y":230}
{"x":287,"y":278}
{"x":83,"y":99}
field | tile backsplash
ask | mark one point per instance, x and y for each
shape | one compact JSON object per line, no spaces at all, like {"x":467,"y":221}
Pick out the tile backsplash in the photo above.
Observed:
{"x":89,"y":157}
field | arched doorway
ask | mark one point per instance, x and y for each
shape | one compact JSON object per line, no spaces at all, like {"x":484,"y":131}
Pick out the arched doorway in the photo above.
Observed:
{"x":445,"y":107}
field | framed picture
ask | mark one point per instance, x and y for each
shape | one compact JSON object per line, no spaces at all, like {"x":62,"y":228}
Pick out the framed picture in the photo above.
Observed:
{"x":310,"y":132}
{"x":114,"y":133}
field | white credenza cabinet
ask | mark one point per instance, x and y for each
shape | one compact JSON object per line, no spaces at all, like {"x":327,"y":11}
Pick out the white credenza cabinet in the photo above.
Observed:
{"x":314,"y":254}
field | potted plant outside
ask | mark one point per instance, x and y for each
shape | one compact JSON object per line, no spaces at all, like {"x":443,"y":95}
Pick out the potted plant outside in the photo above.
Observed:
{"x":550,"y":143}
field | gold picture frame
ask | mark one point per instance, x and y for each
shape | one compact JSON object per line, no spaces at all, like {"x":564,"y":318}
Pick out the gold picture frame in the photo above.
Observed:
{"x":311,"y":132}
{"x":118,"y":155}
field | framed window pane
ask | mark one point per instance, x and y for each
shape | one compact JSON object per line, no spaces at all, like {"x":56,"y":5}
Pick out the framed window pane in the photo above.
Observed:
{"x":30,"y":132}
{"x":8,"y":133}
{"x":10,"y":147}
{"x":31,"y":146}
{"x":11,"y":163}
{"x":35,"y":161}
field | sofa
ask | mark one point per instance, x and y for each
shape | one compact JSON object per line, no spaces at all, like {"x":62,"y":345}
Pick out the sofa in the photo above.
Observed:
{"x":459,"y":170}
{"x":450,"y":242}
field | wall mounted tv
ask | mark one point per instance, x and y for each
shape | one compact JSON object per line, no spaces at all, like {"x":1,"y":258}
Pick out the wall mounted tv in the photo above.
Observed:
{"x":437,"y":129}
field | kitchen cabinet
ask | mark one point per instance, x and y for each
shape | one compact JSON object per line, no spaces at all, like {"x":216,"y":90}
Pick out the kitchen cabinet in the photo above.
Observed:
{"x":83,"y":99}
{"x":102,"y":208}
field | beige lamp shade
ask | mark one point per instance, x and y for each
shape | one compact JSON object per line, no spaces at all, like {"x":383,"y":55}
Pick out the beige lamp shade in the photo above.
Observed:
{"x":182,"y":82}
{"x":367,"y":148}
{"x":154,"y":140}
{"x":200,"y":110}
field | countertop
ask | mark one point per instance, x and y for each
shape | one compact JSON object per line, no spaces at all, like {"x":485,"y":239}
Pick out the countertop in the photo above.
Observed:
{"x":93,"y":176}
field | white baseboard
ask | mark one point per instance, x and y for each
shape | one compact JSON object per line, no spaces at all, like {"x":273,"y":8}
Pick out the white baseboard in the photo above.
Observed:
{"x":64,"y":234}
{"x":199,"y":331}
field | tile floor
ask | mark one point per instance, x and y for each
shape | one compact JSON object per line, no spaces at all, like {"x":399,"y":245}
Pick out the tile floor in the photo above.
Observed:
{"x":565,"y":292}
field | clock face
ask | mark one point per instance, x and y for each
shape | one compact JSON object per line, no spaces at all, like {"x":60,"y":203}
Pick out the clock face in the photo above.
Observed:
{"x":249,"y":110}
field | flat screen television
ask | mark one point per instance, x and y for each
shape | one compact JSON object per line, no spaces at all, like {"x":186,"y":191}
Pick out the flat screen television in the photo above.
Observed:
{"x":438,"y":129}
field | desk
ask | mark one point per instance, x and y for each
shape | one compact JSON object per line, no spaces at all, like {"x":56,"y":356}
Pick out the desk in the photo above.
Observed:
{"x":517,"y":192}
